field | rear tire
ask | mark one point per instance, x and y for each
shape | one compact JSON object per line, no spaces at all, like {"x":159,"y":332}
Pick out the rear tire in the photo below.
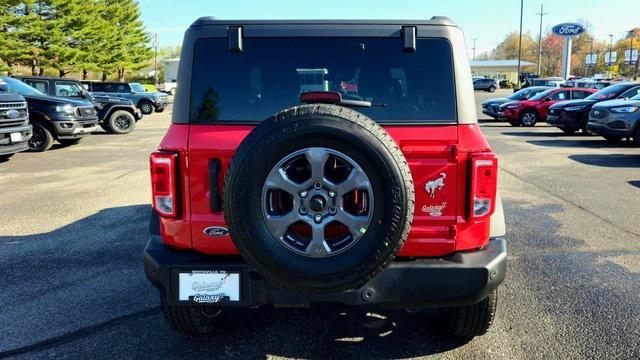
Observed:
{"x":121,"y":122}
{"x":492,"y":89}
{"x":191,"y":320}
{"x":472,"y":320}
{"x":568,"y":131}
{"x":42,"y":139}
{"x":146,"y":107}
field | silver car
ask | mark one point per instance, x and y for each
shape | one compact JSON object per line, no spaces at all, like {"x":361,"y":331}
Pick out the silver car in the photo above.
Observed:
{"x":616,"y":119}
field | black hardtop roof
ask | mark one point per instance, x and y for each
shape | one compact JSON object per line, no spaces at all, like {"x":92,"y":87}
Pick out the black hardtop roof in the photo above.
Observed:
{"x":106,"y":82}
{"x":434,"y":21}
{"x":43,"y":77}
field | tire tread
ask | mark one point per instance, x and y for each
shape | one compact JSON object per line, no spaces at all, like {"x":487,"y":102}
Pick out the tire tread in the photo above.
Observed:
{"x":474,"y":320}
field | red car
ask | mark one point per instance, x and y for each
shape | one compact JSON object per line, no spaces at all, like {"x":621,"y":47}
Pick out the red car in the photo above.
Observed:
{"x":529,"y":112}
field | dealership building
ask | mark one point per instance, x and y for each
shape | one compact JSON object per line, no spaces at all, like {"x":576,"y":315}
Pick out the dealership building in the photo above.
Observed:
{"x":499,"y":69}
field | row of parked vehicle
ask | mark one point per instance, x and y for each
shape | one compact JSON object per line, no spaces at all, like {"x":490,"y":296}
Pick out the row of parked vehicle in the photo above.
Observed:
{"x":37,"y":111}
{"x":613,"y":112}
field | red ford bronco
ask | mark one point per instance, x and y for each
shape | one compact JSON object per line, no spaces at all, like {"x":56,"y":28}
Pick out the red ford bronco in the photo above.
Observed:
{"x":325,"y":161}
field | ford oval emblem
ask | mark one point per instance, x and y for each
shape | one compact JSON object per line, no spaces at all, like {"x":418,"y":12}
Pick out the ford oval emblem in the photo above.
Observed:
{"x":216,"y":231}
{"x":12,"y":114}
{"x":568,"y":29}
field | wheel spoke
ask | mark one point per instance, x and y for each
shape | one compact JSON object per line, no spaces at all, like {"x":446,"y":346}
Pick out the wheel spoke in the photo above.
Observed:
{"x":279,"y":224}
{"x":357,"y":179}
{"x":357,"y":224}
{"x":277,"y":179}
{"x":317,"y":157}
{"x":318,"y":246}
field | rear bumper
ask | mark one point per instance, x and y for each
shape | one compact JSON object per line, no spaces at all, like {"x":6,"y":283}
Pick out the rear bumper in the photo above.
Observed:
{"x":455,"y":280}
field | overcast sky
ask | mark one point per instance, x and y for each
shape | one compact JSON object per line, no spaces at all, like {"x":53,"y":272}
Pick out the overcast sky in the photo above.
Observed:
{"x":487,"y":20}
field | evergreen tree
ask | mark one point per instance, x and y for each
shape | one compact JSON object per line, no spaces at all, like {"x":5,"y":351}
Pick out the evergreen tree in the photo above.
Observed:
{"x":107,"y":36}
{"x":129,"y":48}
{"x":11,"y":50}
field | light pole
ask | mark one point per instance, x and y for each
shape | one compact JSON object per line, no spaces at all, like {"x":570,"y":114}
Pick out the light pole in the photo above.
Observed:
{"x":541,"y":13}
{"x":610,"y":55}
{"x":520,"y":42}
{"x":591,"y":55}
{"x":474,"y":48}
{"x":632,"y":34}
{"x":155,"y":58}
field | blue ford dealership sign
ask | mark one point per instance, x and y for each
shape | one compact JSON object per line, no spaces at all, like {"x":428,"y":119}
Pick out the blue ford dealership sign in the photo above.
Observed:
{"x":568,"y":29}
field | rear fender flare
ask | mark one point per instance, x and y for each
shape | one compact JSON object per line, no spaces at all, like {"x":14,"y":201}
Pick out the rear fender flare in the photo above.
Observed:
{"x":115,"y":108}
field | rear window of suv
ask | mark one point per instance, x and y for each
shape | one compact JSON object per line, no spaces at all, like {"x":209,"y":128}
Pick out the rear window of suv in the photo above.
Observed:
{"x":270,"y":74}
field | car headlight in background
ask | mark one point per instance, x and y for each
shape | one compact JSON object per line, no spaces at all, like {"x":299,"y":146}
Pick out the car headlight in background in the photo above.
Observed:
{"x":575,"y":108}
{"x":512,"y":106}
{"x":625,"y":109}
{"x":67,"y":109}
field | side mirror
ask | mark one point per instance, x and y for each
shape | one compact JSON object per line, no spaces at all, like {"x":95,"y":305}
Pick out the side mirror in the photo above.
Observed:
{"x":547,"y":99}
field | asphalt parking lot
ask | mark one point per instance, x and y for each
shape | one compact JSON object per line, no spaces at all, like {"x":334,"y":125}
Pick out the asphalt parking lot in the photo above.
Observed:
{"x":73,"y":225}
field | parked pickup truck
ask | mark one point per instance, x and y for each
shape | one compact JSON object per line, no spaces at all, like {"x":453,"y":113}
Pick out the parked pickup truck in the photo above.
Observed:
{"x":54,"y":118}
{"x":146,"y":101}
{"x":15,"y":130}
{"x":116,"y":115}
{"x":380,"y":193}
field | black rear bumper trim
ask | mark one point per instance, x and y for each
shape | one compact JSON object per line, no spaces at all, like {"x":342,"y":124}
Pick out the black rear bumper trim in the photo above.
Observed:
{"x":462,"y":278}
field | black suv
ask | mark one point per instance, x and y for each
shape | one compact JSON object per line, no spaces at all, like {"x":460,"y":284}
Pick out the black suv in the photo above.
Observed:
{"x":53,"y":118}
{"x":571,"y":116}
{"x":489,"y":85}
{"x":116,"y":115}
{"x":15,"y":130}
{"x":146,"y":101}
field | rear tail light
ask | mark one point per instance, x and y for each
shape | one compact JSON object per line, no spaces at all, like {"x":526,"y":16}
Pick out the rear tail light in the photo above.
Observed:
{"x":163,"y":183}
{"x":484,"y":184}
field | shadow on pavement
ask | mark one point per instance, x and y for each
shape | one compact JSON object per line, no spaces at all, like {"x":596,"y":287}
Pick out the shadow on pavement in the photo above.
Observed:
{"x":608,"y":160}
{"x":80,"y":290}
{"x":536,"y":134}
{"x":583,"y":142}
{"x":78,"y":283}
{"x":635,"y":183}
{"x":489,"y":121}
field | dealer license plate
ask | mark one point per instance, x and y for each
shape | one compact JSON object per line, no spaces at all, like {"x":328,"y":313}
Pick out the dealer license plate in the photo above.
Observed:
{"x":209,"y":286}
{"x":15,"y":137}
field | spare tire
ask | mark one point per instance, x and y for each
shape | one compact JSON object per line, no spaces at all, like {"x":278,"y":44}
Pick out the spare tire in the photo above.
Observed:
{"x":318,"y":198}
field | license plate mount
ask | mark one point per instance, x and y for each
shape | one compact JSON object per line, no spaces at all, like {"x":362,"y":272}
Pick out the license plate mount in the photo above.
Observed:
{"x":15,"y":137}
{"x":208,"y":286}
